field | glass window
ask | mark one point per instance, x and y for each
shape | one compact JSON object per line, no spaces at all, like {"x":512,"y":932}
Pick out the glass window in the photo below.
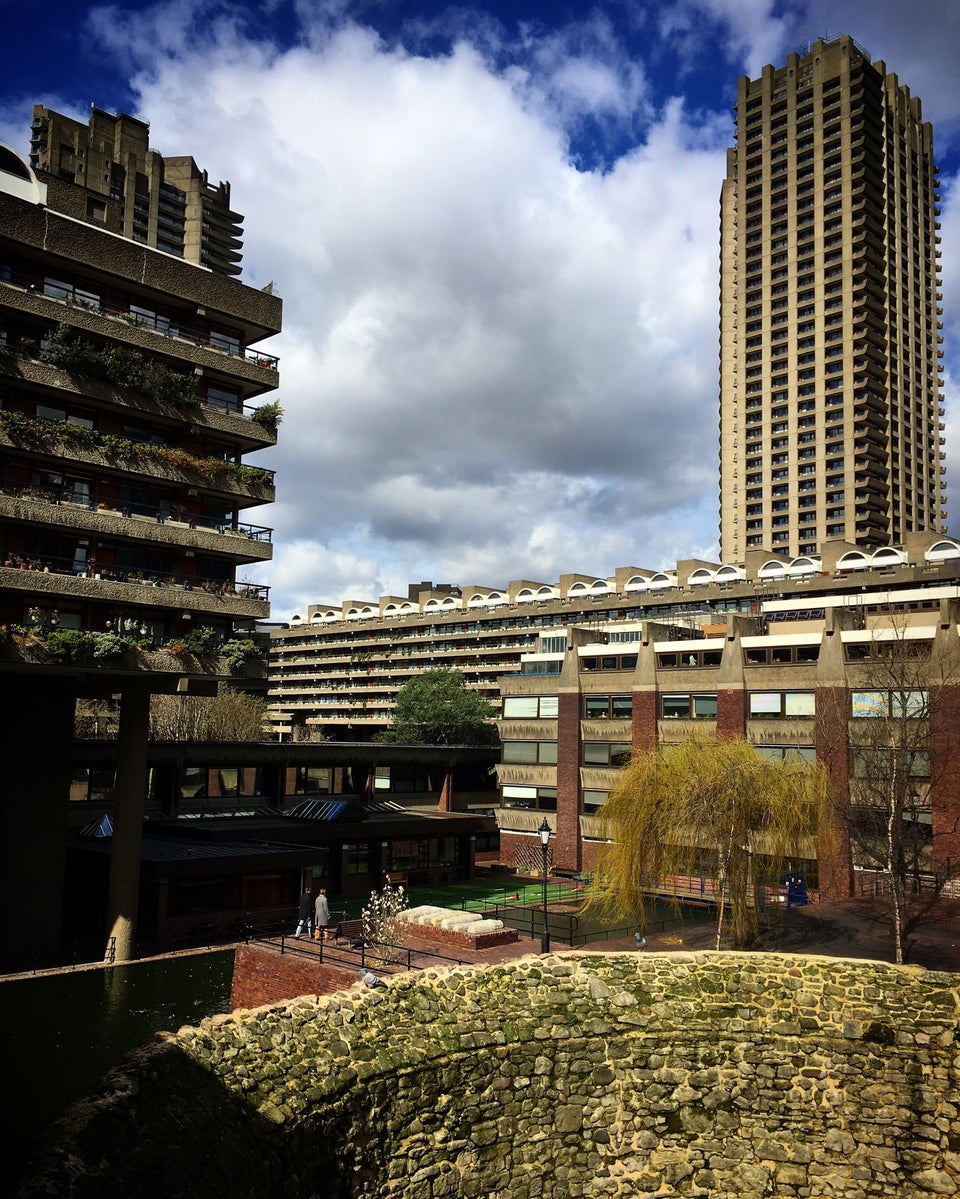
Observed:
{"x":313,"y":780}
{"x":909,"y":703}
{"x":781,"y":703}
{"x":698,"y":707}
{"x":870,"y":704}
{"x":358,"y":857}
{"x":544,"y":752}
{"x":799,"y":703}
{"x":519,"y":705}
{"x":594,"y":800}
{"x":604,"y":753}
{"x":519,"y":797}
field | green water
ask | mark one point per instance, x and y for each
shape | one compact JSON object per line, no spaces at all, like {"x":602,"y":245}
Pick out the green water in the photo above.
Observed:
{"x":63,"y":1031}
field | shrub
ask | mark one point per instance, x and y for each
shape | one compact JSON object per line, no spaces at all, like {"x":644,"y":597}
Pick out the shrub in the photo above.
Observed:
{"x":237,"y":653}
{"x":268,"y":416}
{"x":201,"y":641}
{"x":69,"y":645}
{"x":110,"y":645}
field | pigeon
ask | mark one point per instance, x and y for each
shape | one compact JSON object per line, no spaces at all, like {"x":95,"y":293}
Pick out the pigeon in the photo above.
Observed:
{"x":370,"y":980}
{"x":640,"y":939}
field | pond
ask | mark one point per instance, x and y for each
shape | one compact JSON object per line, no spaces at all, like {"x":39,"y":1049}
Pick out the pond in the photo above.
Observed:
{"x":64,"y":1030}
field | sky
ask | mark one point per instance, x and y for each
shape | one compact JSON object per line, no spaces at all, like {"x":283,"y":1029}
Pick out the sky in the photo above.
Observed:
{"x":495,"y":230}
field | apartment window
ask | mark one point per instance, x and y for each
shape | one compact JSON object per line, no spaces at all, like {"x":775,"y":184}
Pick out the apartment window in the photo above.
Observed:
{"x":530,"y":707}
{"x":689,"y":657}
{"x":606,"y":753}
{"x":608,"y":707}
{"x":770,"y":704}
{"x":781,"y":655}
{"x":877,"y":762}
{"x":593,"y":800}
{"x":543,"y":799}
{"x":892,"y":704}
{"x":610,"y":662}
{"x":689,"y":707}
{"x":790,"y":754}
{"x":542,"y":752}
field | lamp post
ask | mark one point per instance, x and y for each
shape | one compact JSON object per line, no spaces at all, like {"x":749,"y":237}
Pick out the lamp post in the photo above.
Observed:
{"x":544,"y":831}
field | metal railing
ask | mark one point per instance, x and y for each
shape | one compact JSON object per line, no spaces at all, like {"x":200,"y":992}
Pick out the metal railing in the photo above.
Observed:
{"x":161,"y":513}
{"x":48,"y":564}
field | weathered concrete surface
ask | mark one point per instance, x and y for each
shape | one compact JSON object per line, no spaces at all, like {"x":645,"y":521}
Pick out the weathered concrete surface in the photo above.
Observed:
{"x":695,"y":1074}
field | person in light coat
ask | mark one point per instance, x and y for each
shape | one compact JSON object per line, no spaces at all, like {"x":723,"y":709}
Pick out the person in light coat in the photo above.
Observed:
{"x":321,"y":915}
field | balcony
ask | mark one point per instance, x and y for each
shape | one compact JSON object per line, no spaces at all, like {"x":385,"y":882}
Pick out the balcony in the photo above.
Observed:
{"x":157,"y":524}
{"x":60,"y":439}
{"x":123,"y":311}
{"x":66,"y":578}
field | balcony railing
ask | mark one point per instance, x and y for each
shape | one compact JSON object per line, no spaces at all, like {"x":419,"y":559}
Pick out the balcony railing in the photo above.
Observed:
{"x":161,"y":513}
{"x":73,"y":296}
{"x":78,"y":569}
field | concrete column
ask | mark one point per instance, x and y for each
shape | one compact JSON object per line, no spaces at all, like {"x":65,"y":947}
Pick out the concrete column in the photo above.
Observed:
{"x":129,"y":799}
{"x":36,"y":715}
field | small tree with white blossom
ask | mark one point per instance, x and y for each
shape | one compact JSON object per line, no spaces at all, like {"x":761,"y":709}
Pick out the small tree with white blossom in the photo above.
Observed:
{"x":382,"y":925}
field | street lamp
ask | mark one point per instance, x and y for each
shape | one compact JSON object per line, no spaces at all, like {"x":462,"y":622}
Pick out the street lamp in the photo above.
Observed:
{"x":544,"y":831}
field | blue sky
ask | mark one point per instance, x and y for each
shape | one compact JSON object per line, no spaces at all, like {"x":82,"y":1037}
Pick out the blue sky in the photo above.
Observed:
{"x":495,"y":231}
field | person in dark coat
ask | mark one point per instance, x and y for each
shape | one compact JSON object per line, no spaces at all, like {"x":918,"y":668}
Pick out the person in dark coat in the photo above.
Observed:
{"x":305,"y":912}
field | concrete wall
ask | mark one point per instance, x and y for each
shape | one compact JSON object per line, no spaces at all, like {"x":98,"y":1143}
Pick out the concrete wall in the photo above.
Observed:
{"x":570,"y":1075}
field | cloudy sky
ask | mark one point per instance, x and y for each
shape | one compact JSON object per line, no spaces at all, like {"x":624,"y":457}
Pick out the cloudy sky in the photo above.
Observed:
{"x":495,"y":232}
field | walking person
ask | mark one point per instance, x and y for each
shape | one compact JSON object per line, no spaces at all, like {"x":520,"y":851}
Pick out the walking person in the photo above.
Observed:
{"x":321,"y":915}
{"x":305,"y":913}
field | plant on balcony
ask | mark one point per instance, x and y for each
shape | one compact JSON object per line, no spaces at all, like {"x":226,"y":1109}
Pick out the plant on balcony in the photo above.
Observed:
{"x":119,"y":365}
{"x":248,"y":476}
{"x":237,"y":653}
{"x":74,"y":645}
{"x":43,"y":434}
{"x":268,"y":416}
{"x":201,"y":641}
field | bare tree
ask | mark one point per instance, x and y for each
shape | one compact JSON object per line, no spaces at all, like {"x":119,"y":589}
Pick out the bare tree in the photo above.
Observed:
{"x":229,"y":716}
{"x":900,"y":683}
{"x":708,"y":806}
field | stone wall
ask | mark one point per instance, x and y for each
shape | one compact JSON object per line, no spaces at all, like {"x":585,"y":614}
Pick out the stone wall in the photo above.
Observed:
{"x":568,"y":1075}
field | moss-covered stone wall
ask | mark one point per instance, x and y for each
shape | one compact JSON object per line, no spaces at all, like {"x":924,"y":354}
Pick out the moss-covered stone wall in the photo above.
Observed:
{"x":694,"y":1074}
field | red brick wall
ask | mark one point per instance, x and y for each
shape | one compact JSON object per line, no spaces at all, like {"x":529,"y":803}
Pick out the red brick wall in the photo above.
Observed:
{"x":508,"y":848}
{"x":591,"y":854}
{"x":834,"y":859}
{"x":731,"y":713}
{"x":565,"y":846}
{"x":264,"y":975}
{"x":945,"y":775}
{"x":644,"y":720}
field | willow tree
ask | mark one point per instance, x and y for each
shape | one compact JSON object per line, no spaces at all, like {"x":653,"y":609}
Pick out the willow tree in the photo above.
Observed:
{"x":708,"y":807}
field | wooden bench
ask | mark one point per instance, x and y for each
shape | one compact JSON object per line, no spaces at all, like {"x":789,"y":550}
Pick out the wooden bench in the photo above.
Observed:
{"x":352,"y":930}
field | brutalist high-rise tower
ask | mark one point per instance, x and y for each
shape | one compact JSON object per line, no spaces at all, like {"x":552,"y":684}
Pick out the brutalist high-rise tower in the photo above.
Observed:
{"x":830,"y":333}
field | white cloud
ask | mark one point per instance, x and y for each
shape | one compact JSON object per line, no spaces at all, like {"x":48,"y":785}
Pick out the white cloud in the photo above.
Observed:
{"x":495,"y":363}
{"x":488,"y":353}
